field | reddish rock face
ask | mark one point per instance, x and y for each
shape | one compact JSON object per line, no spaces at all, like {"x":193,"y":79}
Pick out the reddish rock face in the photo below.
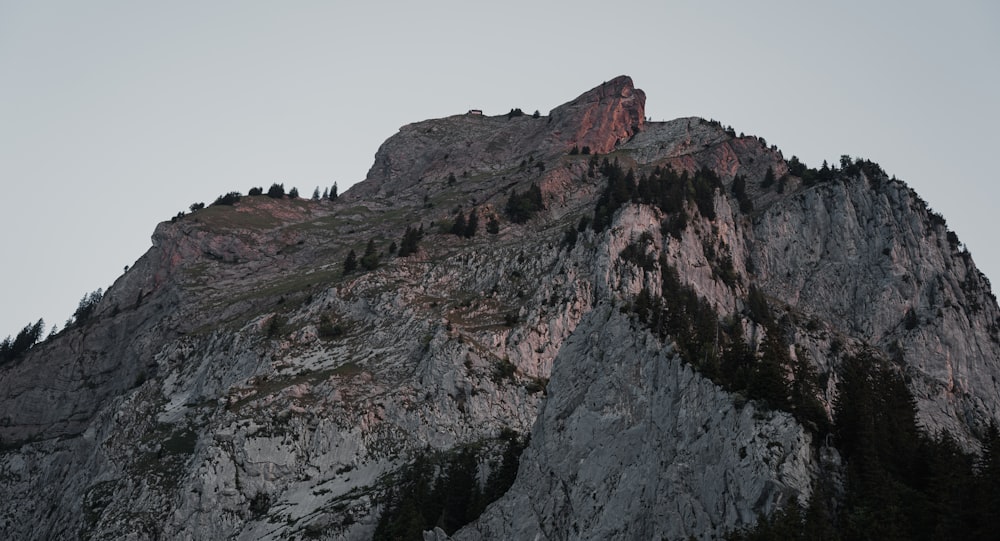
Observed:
{"x":603,"y":117}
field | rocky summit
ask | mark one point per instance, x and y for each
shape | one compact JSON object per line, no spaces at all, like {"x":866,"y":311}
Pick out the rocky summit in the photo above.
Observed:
{"x":580,"y":325}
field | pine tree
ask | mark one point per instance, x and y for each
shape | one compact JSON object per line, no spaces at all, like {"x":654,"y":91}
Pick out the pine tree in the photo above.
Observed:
{"x":471,"y":225}
{"x":351,"y":263}
{"x":333,"y":192}
{"x":369,"y":261}
{"x":315,"y":196}
{"x":458,"y":226}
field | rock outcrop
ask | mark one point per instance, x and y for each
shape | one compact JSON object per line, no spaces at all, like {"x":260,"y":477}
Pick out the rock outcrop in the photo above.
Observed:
{"x":238,"y":382}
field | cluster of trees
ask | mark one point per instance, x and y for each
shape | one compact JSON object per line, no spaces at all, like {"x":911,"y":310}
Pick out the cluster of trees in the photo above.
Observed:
{"x":577,"y":150}
{"x":86,"y":307}
{"x":901,"y":483}
{"x":228,"y":199}
{"x":663,"y":187}
{"x":443,"y":490}
{"x":514,"y":113}
{"x":12,"y":348}
{"x":739,"y":190}
{"x":719,"y":350}
{"x":411,"y":240}
{"x":328,"y":193}
{"x":31,"y":334}
{"x":465,"y":227}
{"x":277,"y":191}
{"x":521,"y":207}
{"x":849,"y":167}
{"x":369,"y":261}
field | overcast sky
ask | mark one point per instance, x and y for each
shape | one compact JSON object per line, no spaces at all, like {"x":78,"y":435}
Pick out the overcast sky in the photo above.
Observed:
{"x":114,"y":116}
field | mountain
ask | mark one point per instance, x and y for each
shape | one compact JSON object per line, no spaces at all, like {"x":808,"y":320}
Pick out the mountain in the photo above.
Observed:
{"x":662,"y":315}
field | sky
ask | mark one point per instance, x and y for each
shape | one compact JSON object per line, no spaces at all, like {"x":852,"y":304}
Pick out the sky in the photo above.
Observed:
{"x":114,"y":116}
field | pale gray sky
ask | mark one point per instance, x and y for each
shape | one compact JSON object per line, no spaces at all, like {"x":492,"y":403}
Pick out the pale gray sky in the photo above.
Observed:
{"x":116,"y":115}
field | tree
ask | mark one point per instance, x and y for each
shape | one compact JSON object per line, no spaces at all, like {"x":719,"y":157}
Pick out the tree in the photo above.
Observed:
{"x":256,"y":191}
{"x":333,"y":192}
{"x":351,"y":263}
{"x":11,"y":349}
{"x":493,"y":226}
{"x":768,"y":178}
{"x":276,"y":191}
{"x":521,"y":207}
{"x":293,"y":193}
{"x":196,"y":206}
{"x":230,"y":198}
{"x":458,"y":226}
{"x":315,"y":196}
{"x":471,"y":225}
{"x":369,"y":261}
{"x":87,"y":306}
{"x":410,"y":240}
{"x":326,"y":193}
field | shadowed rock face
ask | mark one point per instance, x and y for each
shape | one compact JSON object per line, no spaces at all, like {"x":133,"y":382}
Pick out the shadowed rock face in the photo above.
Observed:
{"x":236,"y":383}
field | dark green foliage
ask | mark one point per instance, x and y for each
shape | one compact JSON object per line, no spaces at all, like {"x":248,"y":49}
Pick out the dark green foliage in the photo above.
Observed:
{"x":663,"y":188}
{"x":442,"y":490}
{"x":293,"y":193}
{"x":569,"y":238}
{"x":256,"y":191}
{"x":637,"y":254}
{"x":574,"y":151}
{"x":315,"y":195}
{"x":901,"y":484}
{"x":720,"y":352}
{"x":260,"y":504}
{"x":493,"y":226}
{"x":411,"y":238}
{"x":275,"y":326}
{"x":514,"y":113}
{"x":86,"y":307}
{"x":328,"y":330}
{"x":471,"y":225}
{"x":536,"y":114}
{"x":351,"y":262}
{"x":585,"y":150}
{"x":769,"y":178}
{"x":451,"y":179}
{"x":276,"y":191}
{"x":521,"y":207}
{"x":910,"y":320}
{"x":333,"y":192}
{"x":739,"y":189}
{"x":370,"y":260}
{"x":196,"y":206}
{"x":458,"y":226}
{"x":11,"y":349}
{"x":230,"y":198}
{"x":757,"y":305}
{"x":852,"y":167}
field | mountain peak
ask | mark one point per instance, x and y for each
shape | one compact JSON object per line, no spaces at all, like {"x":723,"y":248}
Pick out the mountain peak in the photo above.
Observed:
{"x":602,"y":117}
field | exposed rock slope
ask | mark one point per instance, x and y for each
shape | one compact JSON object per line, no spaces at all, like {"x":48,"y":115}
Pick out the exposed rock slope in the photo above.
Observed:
{"x":236,"y":383}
